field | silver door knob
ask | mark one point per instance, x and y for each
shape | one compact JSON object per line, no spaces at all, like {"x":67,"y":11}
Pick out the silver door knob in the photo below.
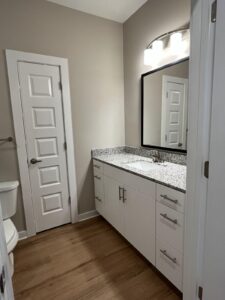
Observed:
{"x":34,"y":161}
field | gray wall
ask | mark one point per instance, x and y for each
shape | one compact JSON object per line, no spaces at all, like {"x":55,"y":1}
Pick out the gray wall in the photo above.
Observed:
{"x":151,"y":20}
{"x":94,"y":47}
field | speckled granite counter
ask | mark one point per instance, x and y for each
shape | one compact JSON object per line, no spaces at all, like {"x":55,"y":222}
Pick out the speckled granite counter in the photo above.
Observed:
{"x":167,"y":173}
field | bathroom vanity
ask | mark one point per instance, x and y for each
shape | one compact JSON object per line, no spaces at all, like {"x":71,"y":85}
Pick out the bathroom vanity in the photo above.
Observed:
{"x":144,"y":201}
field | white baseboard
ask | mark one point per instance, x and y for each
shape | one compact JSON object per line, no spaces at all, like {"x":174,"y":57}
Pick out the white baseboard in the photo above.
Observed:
{"x":88,"y":215}
{"x":22,"y":235}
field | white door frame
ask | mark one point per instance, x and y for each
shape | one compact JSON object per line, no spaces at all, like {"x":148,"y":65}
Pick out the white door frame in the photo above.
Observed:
{"x":199,"y":117}
{"x":12,"y":58}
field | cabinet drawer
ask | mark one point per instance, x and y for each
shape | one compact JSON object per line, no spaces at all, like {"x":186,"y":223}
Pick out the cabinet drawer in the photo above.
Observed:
{"x":169,"y":262}
{"x":99,"y":186}
{"x":170,"y":197}
{"x":169,"y":226}
{"x":99,"y":193}
{"x":97,"y":166}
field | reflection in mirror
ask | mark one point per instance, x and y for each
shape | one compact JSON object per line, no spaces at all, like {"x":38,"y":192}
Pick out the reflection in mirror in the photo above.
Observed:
{"x":164,"y":107}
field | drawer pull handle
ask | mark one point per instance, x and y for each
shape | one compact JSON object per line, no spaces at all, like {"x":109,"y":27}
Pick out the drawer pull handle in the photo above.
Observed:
{"x":97,"y":167}
{"x":169,"y":199}
{"x":168,"y":218}
{"x":173,"y":259}
{"x":97,"y":177}
{"x":98,"y":199}
{"x":120,"y":197}
{"x":124,"y":199}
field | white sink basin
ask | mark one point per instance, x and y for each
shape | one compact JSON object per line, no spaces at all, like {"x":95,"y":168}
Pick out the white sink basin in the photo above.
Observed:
{"x":143,"y":165}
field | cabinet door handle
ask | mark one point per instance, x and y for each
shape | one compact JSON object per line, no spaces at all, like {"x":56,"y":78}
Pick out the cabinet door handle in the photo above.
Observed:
{"x":97,"y":167}
{"x":120,"y":197}
{"x":173,"y":259}
{"x":124,"y":199}
{"x":97,"y":177}
{"x":169,"y":199}
{"x":98,"y":199}
{"x":168,"y":218}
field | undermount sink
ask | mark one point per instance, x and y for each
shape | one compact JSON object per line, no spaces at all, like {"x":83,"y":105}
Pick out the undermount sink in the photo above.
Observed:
{"x":143,"y":165}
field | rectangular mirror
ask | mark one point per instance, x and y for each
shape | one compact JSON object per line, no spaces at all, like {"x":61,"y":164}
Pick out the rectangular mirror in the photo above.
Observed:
{"x":164,"y":107}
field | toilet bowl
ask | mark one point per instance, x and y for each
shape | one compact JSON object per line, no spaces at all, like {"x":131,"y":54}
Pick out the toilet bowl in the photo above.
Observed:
{"x":8,"y":201}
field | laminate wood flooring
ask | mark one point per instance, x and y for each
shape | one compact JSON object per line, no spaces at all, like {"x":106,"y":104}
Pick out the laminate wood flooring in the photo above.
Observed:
{"x":89,"y":260}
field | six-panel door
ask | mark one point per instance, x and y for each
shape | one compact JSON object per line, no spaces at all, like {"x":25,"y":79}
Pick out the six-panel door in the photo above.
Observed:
{"x":44,"y":130}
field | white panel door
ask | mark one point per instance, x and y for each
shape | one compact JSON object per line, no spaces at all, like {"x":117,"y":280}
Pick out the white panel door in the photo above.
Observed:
{"x":174,"y":112}
{"x":44,"y":130}
{"x":214,"y":246}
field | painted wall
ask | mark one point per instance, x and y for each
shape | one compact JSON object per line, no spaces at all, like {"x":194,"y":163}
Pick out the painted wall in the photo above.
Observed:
{"x":151,"y":20}
{"x":94,"y":47}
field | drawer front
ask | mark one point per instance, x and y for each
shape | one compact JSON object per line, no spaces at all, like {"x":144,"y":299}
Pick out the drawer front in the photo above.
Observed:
{"x":99,"y":187}
{"x":170,"y":197}
{"x":97,"y":166}
{"x":99,"y":191}
{"x":169,"y":262}
{"x":169,"y":226}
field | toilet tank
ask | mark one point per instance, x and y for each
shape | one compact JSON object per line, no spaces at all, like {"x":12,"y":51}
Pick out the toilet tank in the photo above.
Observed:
{"x":8,"y":198}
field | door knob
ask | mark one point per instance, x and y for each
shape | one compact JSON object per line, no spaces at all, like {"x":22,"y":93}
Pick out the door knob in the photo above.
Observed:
{"x":180,"y":145}
{"x":34,"y":161}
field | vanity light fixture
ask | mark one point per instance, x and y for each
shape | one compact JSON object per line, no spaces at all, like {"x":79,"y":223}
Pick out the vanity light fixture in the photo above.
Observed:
{"x":173,"y":43}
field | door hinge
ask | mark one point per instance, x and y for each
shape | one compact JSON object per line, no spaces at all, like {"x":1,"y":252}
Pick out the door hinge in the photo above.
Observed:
{"x":69,"y":199}
{"x":60,"y":85}
{"x":65,"y":145}
{"x":200,"y":292}
{"x":206,"y":169}
{"x":213,"y":11}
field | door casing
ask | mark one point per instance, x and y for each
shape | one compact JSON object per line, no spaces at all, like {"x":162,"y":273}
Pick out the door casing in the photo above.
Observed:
{"x":12,"y":58}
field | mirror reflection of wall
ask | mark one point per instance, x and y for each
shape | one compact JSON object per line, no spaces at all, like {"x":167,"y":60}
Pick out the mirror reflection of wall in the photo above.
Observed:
{"x":165,"y":106}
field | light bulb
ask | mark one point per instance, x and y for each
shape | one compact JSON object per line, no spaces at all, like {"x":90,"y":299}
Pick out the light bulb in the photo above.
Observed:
{"x":176,"y":44}
{"x":157,"y":46}
{"x":148,"y":57}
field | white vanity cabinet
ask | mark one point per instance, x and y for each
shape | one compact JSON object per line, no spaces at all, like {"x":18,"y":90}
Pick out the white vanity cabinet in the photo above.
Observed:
{"x":127,"y":198}
{"x":149,"y":215}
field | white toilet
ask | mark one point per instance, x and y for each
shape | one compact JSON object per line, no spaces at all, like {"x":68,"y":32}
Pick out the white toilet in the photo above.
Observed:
{"x":8,"y":200}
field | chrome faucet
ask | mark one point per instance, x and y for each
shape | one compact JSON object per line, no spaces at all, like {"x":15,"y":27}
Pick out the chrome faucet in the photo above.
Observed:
{"x":156,"y":157}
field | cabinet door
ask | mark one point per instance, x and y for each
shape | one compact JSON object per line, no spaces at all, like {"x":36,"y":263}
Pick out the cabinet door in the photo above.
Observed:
{"x":114,"y":206}
{"x":139,"y":215}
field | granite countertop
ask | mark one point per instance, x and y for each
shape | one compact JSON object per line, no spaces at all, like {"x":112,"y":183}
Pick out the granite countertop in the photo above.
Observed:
{"x":167,"y":173}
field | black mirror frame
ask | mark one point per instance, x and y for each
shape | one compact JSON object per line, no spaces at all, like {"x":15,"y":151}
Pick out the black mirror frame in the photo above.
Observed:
{"x":142,"y":108}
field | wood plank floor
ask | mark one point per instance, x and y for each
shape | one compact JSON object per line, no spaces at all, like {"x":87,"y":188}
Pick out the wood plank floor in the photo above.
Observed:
{"x":89,"y":260}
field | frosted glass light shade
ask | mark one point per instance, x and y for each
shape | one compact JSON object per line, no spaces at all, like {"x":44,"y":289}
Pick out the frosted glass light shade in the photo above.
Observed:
{"x":157,"y":46}
{"x":176,"y":44}
{"x":148,"y":53}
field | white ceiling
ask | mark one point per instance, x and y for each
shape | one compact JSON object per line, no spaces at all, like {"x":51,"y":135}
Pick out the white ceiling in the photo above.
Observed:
{"x":116,"y":10}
